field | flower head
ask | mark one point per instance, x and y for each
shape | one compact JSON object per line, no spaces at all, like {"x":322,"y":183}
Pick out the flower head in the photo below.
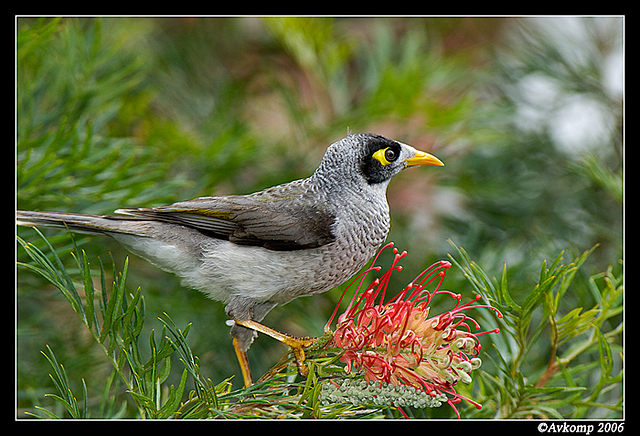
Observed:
{"x":399,"y":343}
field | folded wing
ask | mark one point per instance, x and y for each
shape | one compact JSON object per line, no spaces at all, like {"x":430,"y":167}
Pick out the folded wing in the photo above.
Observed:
{"x":281,"y":218}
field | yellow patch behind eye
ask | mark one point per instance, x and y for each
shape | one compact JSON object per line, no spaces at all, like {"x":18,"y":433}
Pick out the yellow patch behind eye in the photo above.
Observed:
{"x":380,"y":156}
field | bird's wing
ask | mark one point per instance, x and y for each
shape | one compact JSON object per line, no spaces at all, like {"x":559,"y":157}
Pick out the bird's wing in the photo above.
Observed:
{"x":279,"y":218}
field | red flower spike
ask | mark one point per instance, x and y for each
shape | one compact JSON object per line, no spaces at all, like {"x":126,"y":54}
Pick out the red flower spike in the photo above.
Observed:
{"x":397,"y":343}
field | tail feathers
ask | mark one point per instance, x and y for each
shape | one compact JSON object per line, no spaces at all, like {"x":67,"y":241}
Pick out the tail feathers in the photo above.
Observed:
{"x":76,"y":222}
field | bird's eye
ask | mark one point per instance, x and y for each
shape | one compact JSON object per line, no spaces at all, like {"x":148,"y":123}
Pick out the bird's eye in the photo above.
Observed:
{"x":390,"y":154}
{"x":385,"y":155}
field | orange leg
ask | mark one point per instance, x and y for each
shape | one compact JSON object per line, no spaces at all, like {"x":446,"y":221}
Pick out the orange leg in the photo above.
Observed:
{"x":297,"y":344}
{"x":244,"y":364}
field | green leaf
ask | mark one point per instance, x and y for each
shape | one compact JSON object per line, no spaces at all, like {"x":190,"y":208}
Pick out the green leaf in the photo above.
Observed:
{"x":88,"y":292}
{"x":47,"y":414}
{"x":172,"y":404}
{"x":61,"y":382}
{"x":505,"y":298}
{"x":114,"y":303}
{"x":57,"y":276}
{"x":204,"y":388}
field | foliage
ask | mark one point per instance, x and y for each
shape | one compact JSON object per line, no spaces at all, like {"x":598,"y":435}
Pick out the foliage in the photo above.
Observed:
{"x":70,"y":95}
{"x":589,"y":339}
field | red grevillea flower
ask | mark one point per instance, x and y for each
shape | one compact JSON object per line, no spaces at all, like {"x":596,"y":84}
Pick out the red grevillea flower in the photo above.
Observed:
{"x":400,"y":344}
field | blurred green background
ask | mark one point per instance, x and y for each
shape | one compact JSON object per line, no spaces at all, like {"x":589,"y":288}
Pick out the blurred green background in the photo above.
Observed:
{"x":526,"y":113}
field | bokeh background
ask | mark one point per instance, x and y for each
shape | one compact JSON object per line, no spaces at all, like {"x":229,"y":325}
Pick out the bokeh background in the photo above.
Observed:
{"x":526,"y":113}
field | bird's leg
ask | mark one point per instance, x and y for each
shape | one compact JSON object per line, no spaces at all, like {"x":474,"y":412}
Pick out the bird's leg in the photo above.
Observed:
{"x":244,"y":363}
{"x":296,"y":344}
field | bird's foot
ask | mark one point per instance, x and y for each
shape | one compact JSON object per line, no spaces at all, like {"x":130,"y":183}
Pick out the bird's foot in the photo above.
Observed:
{"x":297,"y":345}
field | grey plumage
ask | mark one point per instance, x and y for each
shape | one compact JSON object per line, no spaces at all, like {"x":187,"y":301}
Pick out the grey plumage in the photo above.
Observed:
{"x":257,"y":251}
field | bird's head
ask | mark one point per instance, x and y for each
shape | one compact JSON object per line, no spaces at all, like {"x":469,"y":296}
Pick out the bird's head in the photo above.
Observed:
{"x":370,"y":159}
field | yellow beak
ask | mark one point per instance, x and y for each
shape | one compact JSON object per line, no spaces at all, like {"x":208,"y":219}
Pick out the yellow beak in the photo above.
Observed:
{"x":422,"y":158}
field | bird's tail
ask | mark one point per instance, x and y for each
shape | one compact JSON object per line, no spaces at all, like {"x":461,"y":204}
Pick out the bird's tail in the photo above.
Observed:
{"x":76,"y":222}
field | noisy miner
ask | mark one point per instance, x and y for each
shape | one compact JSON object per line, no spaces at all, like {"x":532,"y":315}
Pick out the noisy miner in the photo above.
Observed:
{"x":254,"y":252}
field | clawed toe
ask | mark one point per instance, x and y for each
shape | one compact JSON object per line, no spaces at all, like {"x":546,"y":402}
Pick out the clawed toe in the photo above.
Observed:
{"x":297,"y":344}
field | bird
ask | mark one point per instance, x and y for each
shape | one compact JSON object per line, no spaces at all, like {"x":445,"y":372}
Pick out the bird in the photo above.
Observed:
{"x":257,"y":251}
